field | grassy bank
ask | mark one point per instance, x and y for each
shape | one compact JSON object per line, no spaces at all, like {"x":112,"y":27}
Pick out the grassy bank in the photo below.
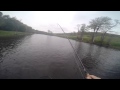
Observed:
{"x":115,"y":43}
{"x":4,"y":34}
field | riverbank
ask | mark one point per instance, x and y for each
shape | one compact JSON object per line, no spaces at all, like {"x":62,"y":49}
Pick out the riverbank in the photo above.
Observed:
{"x":9,"y":34}
{"x":115,"y":43}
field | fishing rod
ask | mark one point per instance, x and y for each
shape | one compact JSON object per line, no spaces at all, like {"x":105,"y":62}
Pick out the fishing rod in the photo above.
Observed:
{"x":85,"y":71}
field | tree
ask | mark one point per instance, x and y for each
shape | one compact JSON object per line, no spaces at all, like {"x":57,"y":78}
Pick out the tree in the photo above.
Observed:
{"x":97,"y":24}
{"x":1,"y":14}
{"x":50,"y":32}
{"x":6,"y":16}
{"x":8,"y":23}
{"x":81,"y":29}
{"x":107,"y":28}
{"x":1,"y":19}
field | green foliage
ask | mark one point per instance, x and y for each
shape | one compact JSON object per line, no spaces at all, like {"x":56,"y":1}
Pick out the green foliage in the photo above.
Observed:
{"x":8,"y":23}
{"x":1,"y":14}
{"x":115,"y":43}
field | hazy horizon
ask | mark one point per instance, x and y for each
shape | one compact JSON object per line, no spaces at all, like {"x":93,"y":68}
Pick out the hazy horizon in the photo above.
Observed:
{"x":47,"y":20}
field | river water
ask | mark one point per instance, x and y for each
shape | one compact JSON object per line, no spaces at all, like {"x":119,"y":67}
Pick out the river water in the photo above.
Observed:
{"x":48,"y":57}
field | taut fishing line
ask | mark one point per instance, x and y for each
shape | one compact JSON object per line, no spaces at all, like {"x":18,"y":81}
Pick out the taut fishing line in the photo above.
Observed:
{"x":85,"y":71}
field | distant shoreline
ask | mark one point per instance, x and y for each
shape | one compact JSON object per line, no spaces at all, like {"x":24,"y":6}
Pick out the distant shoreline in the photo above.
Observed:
{"x":114,"y":45}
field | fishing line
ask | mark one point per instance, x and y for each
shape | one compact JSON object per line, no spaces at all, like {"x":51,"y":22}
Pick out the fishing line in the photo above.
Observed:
{"x":76,"y":55}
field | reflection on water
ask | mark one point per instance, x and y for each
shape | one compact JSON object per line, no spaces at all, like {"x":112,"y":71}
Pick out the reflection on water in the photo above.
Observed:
{"x":89,"y":60}
{"x":42,"y":56}
{"x":100,"y":61}
{"x":6,"y":45}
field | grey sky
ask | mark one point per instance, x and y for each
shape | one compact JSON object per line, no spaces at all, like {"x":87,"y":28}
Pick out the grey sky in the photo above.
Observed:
{"x":44,"y":20}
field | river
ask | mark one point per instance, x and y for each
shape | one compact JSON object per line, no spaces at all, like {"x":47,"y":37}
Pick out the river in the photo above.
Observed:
{"x":49,"y":57}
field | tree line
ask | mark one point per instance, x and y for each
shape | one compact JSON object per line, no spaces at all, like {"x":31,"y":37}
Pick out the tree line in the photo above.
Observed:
{"x":8,"y":23}
{"x":102,"y":25}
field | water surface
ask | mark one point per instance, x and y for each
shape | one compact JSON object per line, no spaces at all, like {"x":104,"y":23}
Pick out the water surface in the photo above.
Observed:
{"x":41,"y":56}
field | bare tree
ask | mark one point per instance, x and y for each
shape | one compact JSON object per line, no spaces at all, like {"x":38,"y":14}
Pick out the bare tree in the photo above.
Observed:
{"x":107,"y":28}
{"x":97,"y":24}
{"x":81,"y":29}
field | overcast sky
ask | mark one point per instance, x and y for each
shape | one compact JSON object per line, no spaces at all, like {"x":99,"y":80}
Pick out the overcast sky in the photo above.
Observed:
{"x":47,"y":20}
